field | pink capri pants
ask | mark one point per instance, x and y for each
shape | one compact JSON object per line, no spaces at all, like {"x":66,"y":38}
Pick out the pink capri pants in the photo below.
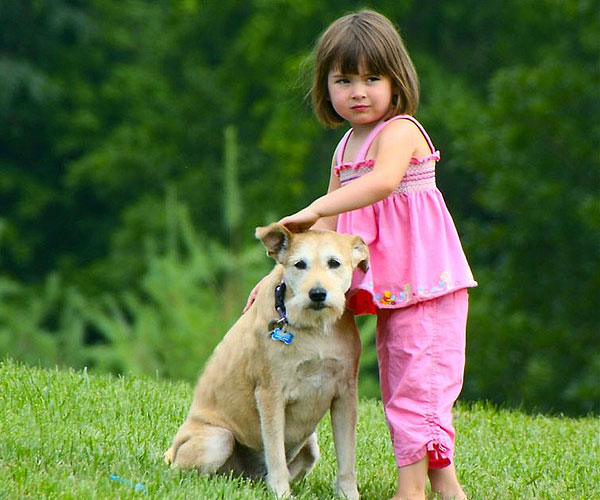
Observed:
{"x":421,"y":354}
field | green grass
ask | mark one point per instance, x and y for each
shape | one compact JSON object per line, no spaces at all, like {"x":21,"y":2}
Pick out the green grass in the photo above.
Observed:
{"x":63,"y":433}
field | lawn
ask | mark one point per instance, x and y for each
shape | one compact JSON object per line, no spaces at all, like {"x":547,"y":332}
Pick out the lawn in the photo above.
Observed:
{"x":75,"y":435}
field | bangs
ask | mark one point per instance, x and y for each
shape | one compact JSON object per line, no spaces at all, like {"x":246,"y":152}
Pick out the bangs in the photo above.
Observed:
{"x":353,"y":53}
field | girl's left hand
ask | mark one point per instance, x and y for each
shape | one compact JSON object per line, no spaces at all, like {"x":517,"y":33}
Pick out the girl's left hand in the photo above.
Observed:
{"x":300,"y":221}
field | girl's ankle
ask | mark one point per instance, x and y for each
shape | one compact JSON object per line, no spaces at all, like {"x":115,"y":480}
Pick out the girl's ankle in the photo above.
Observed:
{"x":459,"y":495}
{"x":398,"y":496}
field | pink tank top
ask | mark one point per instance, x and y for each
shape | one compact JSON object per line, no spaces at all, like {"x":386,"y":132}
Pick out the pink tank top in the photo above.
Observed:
{"x":414,"y":247}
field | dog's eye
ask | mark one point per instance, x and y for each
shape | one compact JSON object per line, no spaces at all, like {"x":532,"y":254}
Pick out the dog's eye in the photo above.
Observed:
{"x":334,"y":263}
{"x":300,"y":264}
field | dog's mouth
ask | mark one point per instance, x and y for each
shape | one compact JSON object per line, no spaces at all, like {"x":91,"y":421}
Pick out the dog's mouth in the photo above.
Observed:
{"x":317,"y":306}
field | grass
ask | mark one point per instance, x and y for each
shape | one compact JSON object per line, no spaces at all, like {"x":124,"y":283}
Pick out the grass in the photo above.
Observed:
{"x":63,"y":434}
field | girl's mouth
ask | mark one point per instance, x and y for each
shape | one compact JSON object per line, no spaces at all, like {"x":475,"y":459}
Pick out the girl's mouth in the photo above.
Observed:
{"x":360,"y":107}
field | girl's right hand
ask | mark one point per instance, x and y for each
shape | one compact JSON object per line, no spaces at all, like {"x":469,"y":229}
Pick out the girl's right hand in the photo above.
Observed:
{"x":300,"y":221}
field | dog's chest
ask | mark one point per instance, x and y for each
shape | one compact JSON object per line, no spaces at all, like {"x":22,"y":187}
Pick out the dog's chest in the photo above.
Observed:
{"x":318,"y":368}
{"x":313,"y":378}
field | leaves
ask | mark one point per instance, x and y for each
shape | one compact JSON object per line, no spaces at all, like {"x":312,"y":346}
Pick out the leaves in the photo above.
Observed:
{"x":107,"y":109}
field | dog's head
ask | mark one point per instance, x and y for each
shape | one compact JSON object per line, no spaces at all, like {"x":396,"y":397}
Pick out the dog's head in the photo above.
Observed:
{"x":318,"y":268}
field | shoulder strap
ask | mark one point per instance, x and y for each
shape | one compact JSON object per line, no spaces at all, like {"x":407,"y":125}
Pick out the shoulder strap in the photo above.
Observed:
{"x":341,"y":147}
{"x":371,"y":137}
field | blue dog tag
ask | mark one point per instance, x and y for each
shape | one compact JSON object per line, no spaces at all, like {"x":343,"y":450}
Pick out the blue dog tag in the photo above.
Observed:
{"x":279,"y":334}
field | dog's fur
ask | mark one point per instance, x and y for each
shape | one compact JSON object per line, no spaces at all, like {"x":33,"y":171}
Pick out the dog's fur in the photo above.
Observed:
{"x":258,"y":401}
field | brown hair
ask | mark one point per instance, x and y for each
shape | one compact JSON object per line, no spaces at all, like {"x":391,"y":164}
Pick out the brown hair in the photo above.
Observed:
{"x":364,"y":38}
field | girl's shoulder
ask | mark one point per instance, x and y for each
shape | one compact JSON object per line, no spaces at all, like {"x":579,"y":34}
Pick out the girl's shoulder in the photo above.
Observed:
{"x":399,"y":128}
{"x":404,"y":130}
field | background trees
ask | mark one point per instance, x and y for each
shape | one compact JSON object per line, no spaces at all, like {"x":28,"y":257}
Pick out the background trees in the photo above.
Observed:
{"x":105,"y":107}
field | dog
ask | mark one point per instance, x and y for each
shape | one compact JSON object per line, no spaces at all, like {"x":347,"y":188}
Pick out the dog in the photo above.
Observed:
{"x":289,"y":358}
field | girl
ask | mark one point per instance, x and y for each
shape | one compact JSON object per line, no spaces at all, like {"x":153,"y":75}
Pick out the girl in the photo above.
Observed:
{"x":382,"y":187}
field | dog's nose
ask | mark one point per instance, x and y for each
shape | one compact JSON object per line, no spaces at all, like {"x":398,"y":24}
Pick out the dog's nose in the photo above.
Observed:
{"x":317,"y":294}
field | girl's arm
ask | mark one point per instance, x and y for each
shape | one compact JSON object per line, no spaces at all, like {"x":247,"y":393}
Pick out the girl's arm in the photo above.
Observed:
{"x":396,"y":145}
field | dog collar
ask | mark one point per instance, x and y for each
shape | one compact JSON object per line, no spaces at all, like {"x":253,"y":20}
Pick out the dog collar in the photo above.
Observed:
{"x":278,"y":327}
{"x":280,"y":300}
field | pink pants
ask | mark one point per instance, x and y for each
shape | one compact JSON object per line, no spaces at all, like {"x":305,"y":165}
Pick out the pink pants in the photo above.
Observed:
{"x":421,"y":354}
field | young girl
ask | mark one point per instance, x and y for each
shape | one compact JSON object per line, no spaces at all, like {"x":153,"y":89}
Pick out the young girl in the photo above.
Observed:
{"x":382,"y":187}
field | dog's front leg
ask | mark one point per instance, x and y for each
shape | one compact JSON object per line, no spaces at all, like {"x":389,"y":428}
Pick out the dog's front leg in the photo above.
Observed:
{"x":343,"y":423}
{"x":272,"y":423}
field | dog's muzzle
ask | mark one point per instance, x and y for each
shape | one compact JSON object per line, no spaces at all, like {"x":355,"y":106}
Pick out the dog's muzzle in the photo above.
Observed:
{"x":317,"y":297}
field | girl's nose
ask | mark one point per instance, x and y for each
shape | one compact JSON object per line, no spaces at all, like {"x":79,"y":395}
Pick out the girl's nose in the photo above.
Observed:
{"x":358,"y":91}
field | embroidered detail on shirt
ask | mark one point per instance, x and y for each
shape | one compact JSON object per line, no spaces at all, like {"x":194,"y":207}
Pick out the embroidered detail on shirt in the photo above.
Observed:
{"x":390,"y":297}
{"x":387,"y":298}
{"x":440,"y":286}
{"x":406,"y":293}
{"x":418,"y":177}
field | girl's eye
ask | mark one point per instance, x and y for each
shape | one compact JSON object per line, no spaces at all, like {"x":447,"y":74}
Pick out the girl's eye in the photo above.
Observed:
{"x":300,"y":264}
{"x":373,"y":79}
{"x":334,"y":263}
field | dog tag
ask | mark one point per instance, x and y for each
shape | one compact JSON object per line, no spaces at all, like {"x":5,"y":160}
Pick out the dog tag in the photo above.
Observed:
{"x":279,"y":334}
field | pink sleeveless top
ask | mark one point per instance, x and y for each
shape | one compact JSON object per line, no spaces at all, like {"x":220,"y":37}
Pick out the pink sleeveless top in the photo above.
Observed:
{"x":414,"y":247}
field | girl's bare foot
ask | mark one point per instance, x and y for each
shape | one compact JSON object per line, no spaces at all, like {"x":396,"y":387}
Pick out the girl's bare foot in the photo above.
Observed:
{"x":445,"y":484}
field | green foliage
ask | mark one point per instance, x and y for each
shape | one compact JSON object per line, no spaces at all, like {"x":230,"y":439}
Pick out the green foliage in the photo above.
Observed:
{"x":538,"y":154}
{"x":105,"y":105}
{"x":192,"y":287}
{"x":169,"y":326}
{"x":64,"y":433}
{"x":173,"y":324}
{"x":31,"y":318}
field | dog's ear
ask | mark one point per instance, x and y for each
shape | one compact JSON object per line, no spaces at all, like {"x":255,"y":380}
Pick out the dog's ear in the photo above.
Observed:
{"x":360,"y":254}
{"x":275,"y":238}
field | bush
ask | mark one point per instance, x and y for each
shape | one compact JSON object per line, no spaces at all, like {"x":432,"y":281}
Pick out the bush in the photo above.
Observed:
{"x":189,"y":296}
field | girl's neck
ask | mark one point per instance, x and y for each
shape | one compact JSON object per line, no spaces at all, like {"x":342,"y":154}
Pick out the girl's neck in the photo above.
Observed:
{"x":362,"y":130}
{"x":359,"y":135}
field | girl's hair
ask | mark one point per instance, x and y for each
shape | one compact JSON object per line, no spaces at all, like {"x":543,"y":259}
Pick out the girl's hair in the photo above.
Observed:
{"x":369,"y":41}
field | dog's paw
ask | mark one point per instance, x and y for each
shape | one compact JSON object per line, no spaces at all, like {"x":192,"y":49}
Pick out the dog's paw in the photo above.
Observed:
{"x":347,"y":491}
{"x":168,"y":456}
{"x":283,"y":492}
{"x":280,"y":487}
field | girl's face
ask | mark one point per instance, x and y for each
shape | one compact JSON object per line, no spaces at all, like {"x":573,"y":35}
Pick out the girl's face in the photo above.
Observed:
{"x":362,"y":99}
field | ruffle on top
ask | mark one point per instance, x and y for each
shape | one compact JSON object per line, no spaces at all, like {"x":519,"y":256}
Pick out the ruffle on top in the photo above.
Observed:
{"x":415,"y":250}
{"x":435,"y":156}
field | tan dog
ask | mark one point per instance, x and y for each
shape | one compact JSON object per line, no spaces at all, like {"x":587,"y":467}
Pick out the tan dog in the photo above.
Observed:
{"x":258,"y":401}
